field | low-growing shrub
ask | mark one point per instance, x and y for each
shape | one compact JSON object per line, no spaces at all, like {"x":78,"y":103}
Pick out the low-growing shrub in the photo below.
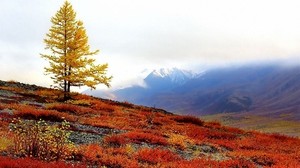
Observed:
{"x":2,"y":107}
{"x":154,"y":156}
{"x":101,"y":106}
{"x":49,"y":94}
{"x":70,"y":108}
{"x":178,"y":140}
{"x":40,"y":140}
{"x":215,"y":134}
{"x":5,"y":143}
{"x":135,"y":137}
{"x":28,"y":112}
{"x":10,"y":88}
{"x":263,"y":160}
{"x":83,"y":102}
{"x":115,"y":140}
{"x":7,"y":162}
{"x":95,"y":155}
{"x":189,"y":120}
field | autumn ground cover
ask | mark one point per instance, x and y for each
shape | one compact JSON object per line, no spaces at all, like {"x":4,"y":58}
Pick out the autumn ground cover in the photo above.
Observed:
{"x":39,"y":129}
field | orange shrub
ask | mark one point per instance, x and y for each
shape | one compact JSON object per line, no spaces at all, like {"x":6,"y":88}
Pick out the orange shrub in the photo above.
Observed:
{"x":3,"y":124}
{"x":78,"y":96}
{"x":29,"y":112}
{"x":281,"y":137}
{"x":79,"y":110}
{"x":263,"y":160}
{"x":213,"y":124}
{"x":268,"y":158}
{"x":225,"y":143}
{"x":7,"y":162}
{"x":2,"y":107}
{"x":115,"y":140}
{"x":91,"y":152}
{"x":195,"y":132}
{"x":232,"y":163}
{"x":48,"y":92}
{"x":232,"y":130}
{"x":200,"y":162}
{"x":95,"y":155}
{"x":189,"y":120}
{"x":118,"y":161}
{"x":9,"y":88}
{"x":216,"y":134}
{"x":154,"y":156}
{"x":192,"y":163}
{"x":145,"y":137}
{"x":101,"y":106}
{"x":178,"y":140}
{"x":95,"y":121}
{"x":135,"y":137}
{"x":82,"y":102}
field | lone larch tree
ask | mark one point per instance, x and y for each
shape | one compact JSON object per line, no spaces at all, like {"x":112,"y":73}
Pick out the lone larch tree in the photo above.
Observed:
{"x":71,"y":61}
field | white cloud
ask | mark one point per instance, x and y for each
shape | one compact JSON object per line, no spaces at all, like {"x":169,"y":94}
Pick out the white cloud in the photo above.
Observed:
{"x":137,"y":34}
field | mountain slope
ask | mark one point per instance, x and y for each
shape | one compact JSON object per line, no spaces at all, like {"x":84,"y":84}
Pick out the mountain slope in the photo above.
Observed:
{"x":264,"y":89}
{"x":107,"y":133}
{"x":156,"y":82}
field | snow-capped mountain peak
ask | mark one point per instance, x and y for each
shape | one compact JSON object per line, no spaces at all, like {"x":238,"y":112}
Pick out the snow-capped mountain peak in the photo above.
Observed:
{"x":175,"y":75}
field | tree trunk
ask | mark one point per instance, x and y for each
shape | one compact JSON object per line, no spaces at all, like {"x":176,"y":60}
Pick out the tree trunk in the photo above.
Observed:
{"x":69,"y":83}
{"x":65,"y":63}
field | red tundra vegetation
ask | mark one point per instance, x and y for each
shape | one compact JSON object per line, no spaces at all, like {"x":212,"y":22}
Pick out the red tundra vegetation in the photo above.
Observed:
{"x":38,"y":129}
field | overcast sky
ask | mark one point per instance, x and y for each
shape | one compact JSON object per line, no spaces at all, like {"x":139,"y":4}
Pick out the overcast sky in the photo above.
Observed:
{"x":136,"y":34}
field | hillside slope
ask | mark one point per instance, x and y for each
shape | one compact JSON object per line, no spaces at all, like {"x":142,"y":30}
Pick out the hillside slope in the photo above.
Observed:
{"x":37,"y":127}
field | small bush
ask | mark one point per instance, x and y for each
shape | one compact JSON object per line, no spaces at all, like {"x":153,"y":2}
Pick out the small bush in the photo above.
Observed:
{"x":145,"y":137}
{"x":95,"y":155}
{"x":135,"y":137}
{"x":5,"y":143}
{"x":49,"y":94}
{"x":91,"y":152}
{"x":7,"y":162}
{"x":40,"y":140}
{"x":101,"y":106}
{"x":189,"y":120}
{"x":179,"y":141}
{"x":263,"y":160}
{"x":70,"y":108}
{"x":82,"y":102}
{"x":154,"y":156}
{"x":2,"y":107}
{"x":115,"y":140}
{"x":28,"y":112}
{"x":213,"y":134}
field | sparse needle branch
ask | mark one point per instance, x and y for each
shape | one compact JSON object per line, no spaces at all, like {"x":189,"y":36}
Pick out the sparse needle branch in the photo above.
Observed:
{"x":71,"y":63}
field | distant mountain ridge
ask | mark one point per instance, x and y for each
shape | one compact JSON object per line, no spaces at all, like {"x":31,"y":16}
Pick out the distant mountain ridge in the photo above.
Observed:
{"x":256,"y":89}
{"x":156,"y":81}
{"x":267,"y":89}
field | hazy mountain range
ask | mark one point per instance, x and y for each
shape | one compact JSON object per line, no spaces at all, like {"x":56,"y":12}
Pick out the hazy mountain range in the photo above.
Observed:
{"x":257,"y":89}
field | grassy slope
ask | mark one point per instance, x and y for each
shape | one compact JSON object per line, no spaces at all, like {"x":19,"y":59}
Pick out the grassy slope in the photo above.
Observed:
{"x":279,"y":125}
{"x":119,"y":134}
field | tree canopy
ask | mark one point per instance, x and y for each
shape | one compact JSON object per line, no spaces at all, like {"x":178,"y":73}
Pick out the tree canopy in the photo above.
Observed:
{"x":71,"y":62}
